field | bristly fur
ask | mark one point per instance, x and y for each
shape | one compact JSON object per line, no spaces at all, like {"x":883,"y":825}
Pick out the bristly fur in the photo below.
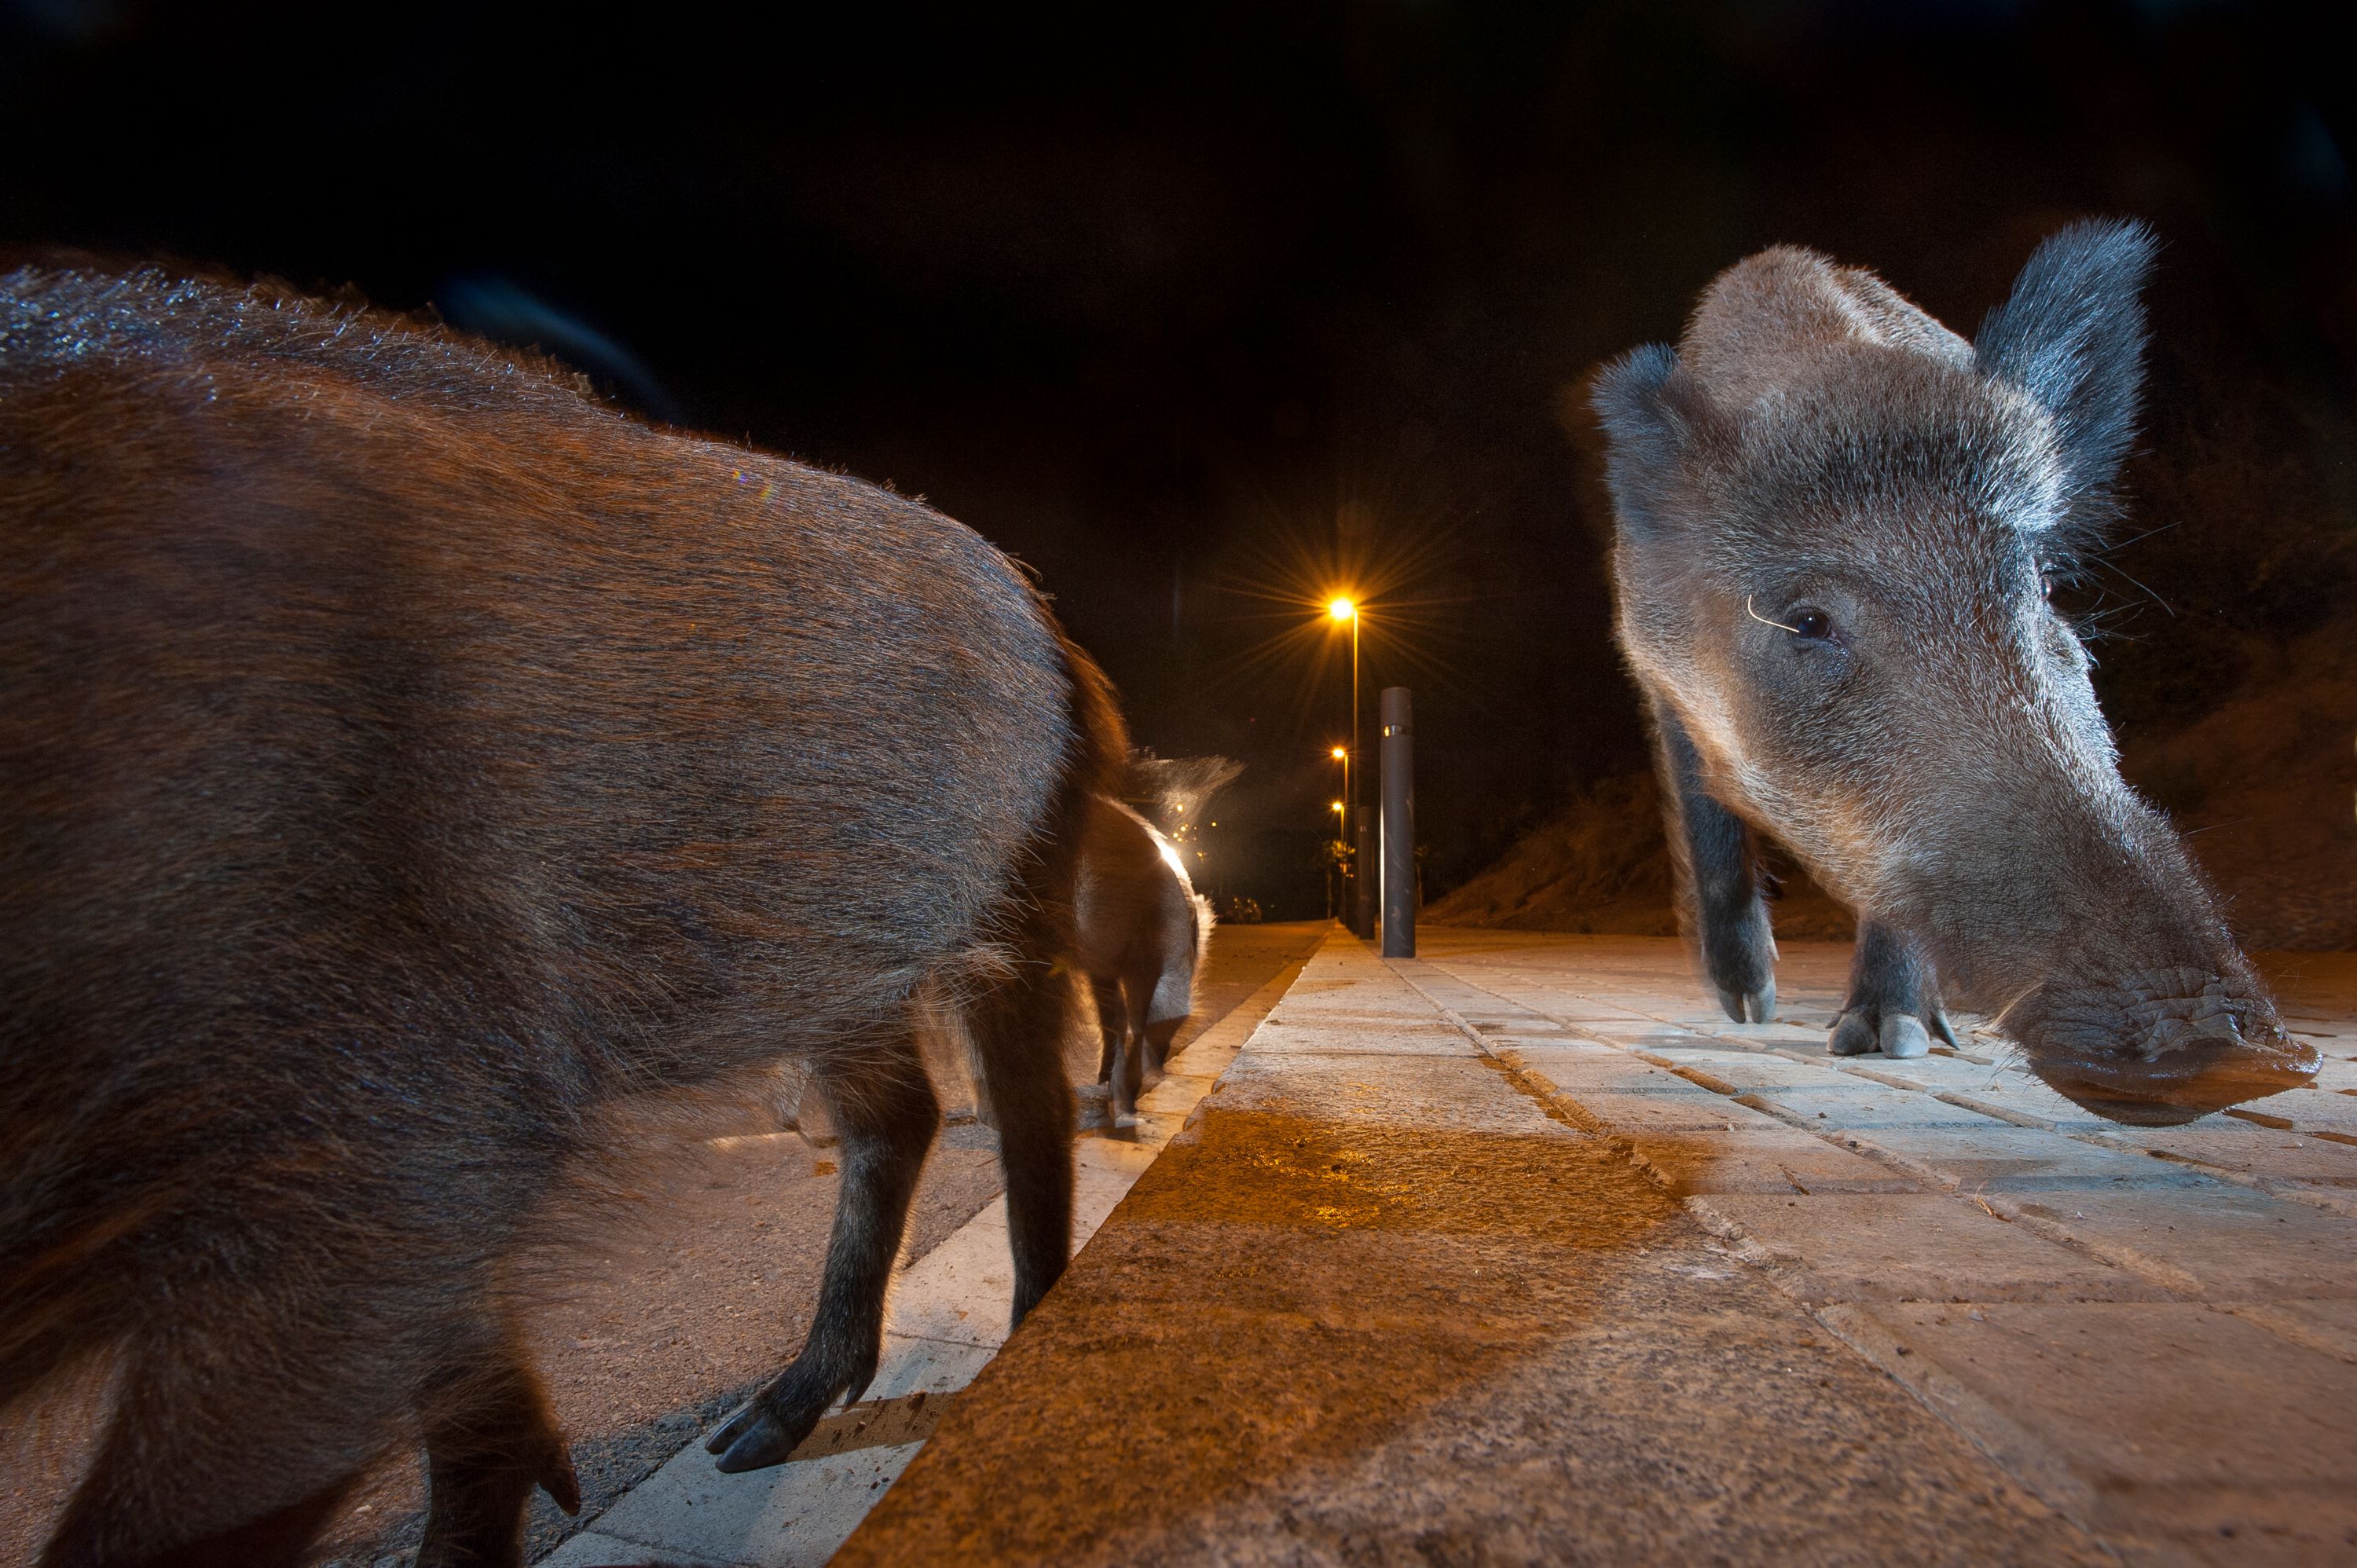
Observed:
{"x":402,"y":759}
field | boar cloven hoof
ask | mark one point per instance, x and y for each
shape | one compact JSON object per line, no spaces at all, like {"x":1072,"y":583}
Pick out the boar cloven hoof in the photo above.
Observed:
{"x":1750,"y":1006}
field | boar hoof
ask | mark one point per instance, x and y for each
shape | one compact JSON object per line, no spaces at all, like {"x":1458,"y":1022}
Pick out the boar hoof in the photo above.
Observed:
{"x":1901,"y":1036}
{"x":1904,"y":1036}
{"x":754,"y":1440}
{"x":1853,"y":1036}
{"x":1749,"y":1007}
{"x":768,"y":1431}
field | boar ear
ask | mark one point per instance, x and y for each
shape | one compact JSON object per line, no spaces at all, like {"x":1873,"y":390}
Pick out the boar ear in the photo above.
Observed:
{"x":2073,"y":338}
{"x":1643,"y":434}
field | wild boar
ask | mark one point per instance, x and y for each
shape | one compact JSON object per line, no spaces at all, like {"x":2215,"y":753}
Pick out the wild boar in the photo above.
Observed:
{"x":1837,"y":524}
{"x":1142,"y":930}
{"x":404,"y":759}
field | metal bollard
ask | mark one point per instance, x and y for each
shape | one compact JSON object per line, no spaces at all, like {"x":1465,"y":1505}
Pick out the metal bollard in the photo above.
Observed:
{"x":1399,"y":823}
{"x":1363,"y":876}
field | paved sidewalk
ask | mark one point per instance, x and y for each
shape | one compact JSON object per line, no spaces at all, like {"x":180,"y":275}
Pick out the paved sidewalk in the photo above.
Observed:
{"x":1521,"y":1254}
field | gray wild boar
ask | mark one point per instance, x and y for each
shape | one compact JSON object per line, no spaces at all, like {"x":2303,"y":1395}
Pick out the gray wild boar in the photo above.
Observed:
{"x":1142,"y":930}
{"x":1837,"y":523}
{"x":403,"y":760}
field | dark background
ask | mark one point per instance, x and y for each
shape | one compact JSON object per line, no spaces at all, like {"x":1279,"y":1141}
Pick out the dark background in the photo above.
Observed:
{"x":1206,"y":310}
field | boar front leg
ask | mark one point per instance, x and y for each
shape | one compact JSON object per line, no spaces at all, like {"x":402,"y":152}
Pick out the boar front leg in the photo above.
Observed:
{"x":886,"y":1115}
{"x":1719,"y":880}
{"x":1894,"y":998}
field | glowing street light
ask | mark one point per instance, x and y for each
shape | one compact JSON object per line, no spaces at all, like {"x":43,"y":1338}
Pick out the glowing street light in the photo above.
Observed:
{"x":1341,"y":609}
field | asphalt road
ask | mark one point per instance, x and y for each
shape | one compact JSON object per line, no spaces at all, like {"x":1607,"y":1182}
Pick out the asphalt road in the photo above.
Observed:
{"x":675,"y":1319}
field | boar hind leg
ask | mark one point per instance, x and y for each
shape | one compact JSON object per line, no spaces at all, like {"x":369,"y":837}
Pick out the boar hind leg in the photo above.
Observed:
{"x":228,"y":1447}
{"x":1894,"y":999}
{"x":1136,"y":1057}
{"x":886,"y":1115}
{"x":1159,"y":1036}
{"x":490,"y":1439}
{"x":1720,"y":881}
{"x":1112,"y":1023}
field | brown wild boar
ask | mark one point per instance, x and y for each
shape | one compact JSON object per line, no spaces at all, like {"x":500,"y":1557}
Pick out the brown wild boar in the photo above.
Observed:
{"x":403,"y":758}
{"x":1837,"y":524}
{"x":1142,"y":930}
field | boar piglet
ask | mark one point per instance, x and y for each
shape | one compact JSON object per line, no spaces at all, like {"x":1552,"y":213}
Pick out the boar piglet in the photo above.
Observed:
{"x":1142,"y":930}
{"x":404,"y":759}
{"x":1837,"y":521}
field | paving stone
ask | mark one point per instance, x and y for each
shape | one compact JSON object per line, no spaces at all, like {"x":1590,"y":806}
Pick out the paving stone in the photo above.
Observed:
{"x":1846,"y":1103}
{"x":1311,"y":1036}
{"x":2184,"y":1424}
{"x":964,"y":1291}
{"x":2017,"y":1098}
{"x":2320,"y":1109}
{"x":1765,"y":1157}
{"x":1686,"y":1109}
{"x":594,"y":1548}
{"x":1915,"y":1247}
{"x":795,"y":1520}
{"x":1997,"y":1158}
{"x":2330,"y":1326}
{"x":2255,"y":1152}
{"x":1928,"y":1075}
{"x":1569,"y":1009}
{"x":1574,"y":1067}
{"x":1397,"y":1090}
{"x":1741,"y":1071}
{"x":2224,"y":1243}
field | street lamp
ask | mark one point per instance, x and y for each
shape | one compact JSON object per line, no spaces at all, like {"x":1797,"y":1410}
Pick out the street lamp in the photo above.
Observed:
{"x":1343,"y":755}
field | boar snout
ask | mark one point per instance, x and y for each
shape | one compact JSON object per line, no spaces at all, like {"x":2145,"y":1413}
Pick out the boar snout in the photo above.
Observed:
{"x":2161,"y":1049}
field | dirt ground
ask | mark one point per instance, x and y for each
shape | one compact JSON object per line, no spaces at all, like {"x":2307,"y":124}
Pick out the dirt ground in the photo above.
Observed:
{"x":676,"y":1319}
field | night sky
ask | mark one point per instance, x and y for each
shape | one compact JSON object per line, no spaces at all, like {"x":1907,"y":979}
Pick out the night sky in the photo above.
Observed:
{"x":1205,"y":310}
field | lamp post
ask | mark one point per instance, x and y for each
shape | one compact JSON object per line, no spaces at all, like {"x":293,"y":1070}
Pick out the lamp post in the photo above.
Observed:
{"x":1362,"y":855}
{"x":1341,"y":609}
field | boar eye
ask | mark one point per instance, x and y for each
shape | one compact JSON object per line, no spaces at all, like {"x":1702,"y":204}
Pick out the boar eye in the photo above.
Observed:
{"x":1813,"y":624}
